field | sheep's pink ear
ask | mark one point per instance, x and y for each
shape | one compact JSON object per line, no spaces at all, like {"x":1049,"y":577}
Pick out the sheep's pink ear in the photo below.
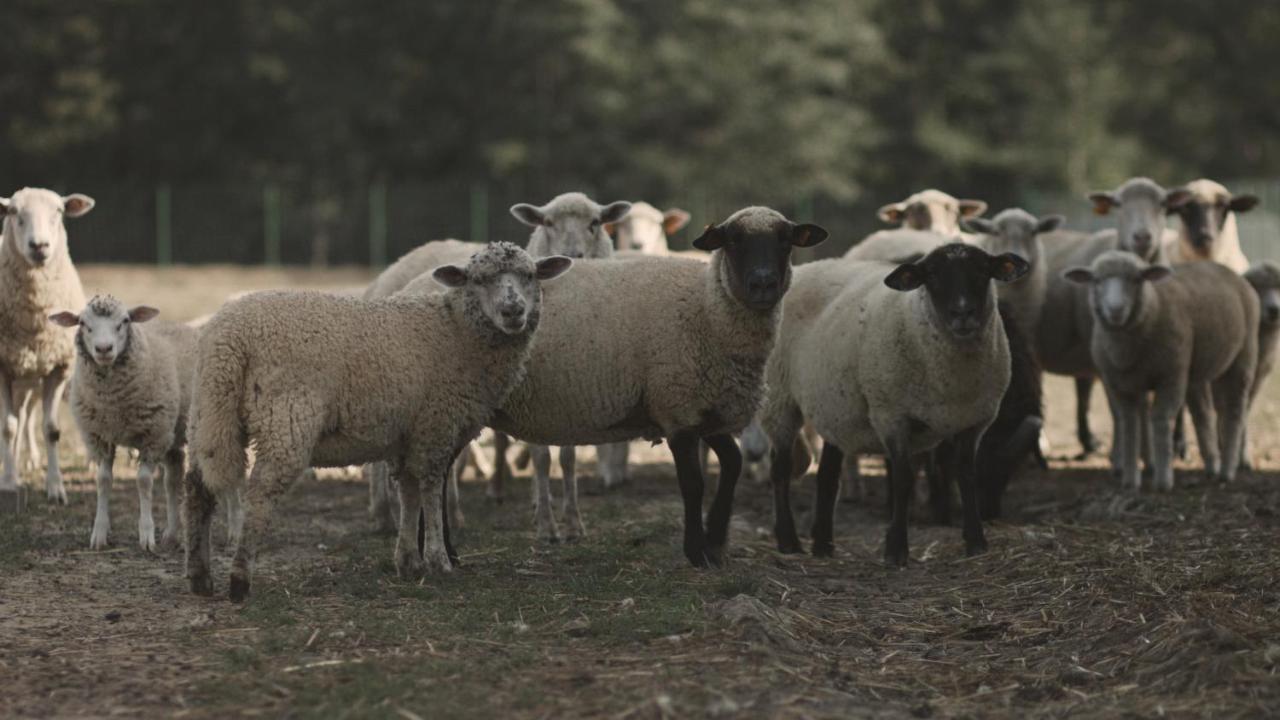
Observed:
{"x":1103,"y":202}
{"x":1009,"y":267}
{"x":450,"y":276}
{"x":712,"y":238}
{"x":674,"y":219}
{"x":807,"y":235}
{"x":1242,"y":203}
{"x":143,"y":313}
{"x":75,"y":204}
{"x":891,"y":213}
{"x":552,"y":266}
{"x":65,"y":319}
{"x":972,"y":208}
{"x":905,"y":277}
{"x":1078,"y":275}
{"x":1156,"y":273}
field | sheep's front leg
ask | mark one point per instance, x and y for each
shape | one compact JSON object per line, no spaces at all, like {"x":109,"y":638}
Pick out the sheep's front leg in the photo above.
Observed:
{"x":8,"y":413}
{"x":1164,"y":412}
{"x":235,"y":516}
{"x":828,"y":482}
{"x":575,"y":530}
{"x":435,"y":550}
{"x":103,"y":455}
{"x":54,"y":383}
{"x":1128,"y":438}
{"x":730,"y":459}
{"x":1204,"y":418}
{"x":684,"y":451}
{"x":146,"y":521}
{"x":902,"y":475}
{"x":544,"y":517}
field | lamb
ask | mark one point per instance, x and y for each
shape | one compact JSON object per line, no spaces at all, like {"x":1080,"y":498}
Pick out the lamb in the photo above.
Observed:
{"x":1265,"y":279}
{"x":1208,"y":228}
{"x":1066,"y":322}
{"x":931,"y":210}
{"x":132,"y":387}
{"x":38,"y":279}
{"x":1187,"y":333}
{"x":646,"y":228}
{"x":453,"y":357}
{"x":682,"y":361}
{"x":877,"y":367}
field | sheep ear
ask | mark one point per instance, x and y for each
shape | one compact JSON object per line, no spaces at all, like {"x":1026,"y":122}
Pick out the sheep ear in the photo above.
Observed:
{"x":1242,"y":203}
{"x":905,"y":277}
{"x":712,"y":238}
{"x":65,"y":319}
{"x":1049,"y":223}
{"x":529,"y":215}
{"x":552,"y":266}
{"x":1103,"y":202}
{"x":1009,"y":267}
{"x":972,"y":208}
{"x":674,"y":219}
{"x":75,"y":204}
{"x":978,"y":225}
{"x":450,"y":276}
{"x":5,"y":207}
{"x":143,"y":313}
{"x":1156,"y":273}
{"x":891,"y":213}
{"x":614,"y":212}
{"x":1176,"y":198}
{"x":807,"y":235}
{"x":1078,"y":275}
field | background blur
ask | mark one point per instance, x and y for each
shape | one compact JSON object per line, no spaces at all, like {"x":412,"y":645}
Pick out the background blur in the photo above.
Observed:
{"x":331,"y":132}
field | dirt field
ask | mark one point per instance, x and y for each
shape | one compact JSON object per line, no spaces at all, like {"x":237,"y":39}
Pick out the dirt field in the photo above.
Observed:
{"x":1093,"y":602}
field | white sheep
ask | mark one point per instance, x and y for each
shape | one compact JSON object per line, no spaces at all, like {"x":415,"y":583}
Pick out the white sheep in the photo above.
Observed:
{"x":289,"y":373}
{"x":931,"y":210}
{"x":891,"y":360}
{"x":646,"y":228}
{"x":1208,"y":226}
{"x":132,"y":388}
{"x":1187,"y":333}
{"x":890,"y":245}
{"x":1265,"y":279}
{"x":38,"y":279}
{"x":682,"y":360}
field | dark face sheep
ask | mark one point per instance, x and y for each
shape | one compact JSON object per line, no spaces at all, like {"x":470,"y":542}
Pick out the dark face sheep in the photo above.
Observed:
{"x":756,"y":243}
{"x":1204,"y":214}
{"x":957,"y":278}
{"x":1265,"y":279}
{"x":102,"y":334}
{"x":1142,"y":205}
{"x":572,"y":225}
{"x":502,"y":281}
{"x":1116,"y":281}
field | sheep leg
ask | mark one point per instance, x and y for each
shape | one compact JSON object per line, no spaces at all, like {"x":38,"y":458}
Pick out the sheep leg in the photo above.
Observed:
{"x":1231,"y":391}
{"x":612,"y":459}
{"x":9,"y":478}
{"x":1127,"y":438}
{"x":784,"y":526}
{"x":54,"y":383}
{"x":437,"y":555}
{"x":730,"y":459}
{"x":1180,"y":435}
{"x":1204,"y":418}
{"x":20,"y":438}
{"x":685,"y":453}
{"x":853,"y":485}
{"x":501,"y":470}
{"x":28,"y":430}
{"x":938,"y":470}
{"x":574,"y":529}
{"x":453,"y":501}
{"x":173,"y":462}
{"x":963,"y":468}
{"x":269,"y":480}
{"x":380,"y":509}
{"x":902,"y":475}
{"x":1167,"y":406}
{"x":104,"y":455}
{"x":198,"y":504}
{"x":235,"y":517}
{"x":1088,"y":443}
{"x":828,"y":487}
{"x":146,"y":520}
{"x":544,"y":517}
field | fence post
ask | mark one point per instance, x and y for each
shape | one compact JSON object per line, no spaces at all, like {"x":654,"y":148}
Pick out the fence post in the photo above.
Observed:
{"x":271,"y":224}
{"x":479,"y":212}
{"x":164,"y":225}
{"x":378,"y":225}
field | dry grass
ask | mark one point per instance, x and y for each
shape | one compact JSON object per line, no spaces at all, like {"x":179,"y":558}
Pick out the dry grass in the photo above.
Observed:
{"x":1092,"y":602}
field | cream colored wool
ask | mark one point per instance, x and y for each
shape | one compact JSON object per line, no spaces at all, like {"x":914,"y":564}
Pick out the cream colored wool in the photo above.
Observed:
{"x":890,"y":245}
{"x":422,"y":259}
{"x":1225,"y":249}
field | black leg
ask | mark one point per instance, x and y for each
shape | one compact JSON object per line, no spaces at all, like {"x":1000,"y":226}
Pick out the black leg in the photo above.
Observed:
{"x":902,"y":476}
{"x":1180,"y":435}
{"x":684,"y":451}
{"x":730,"y":457}
{"x":940,"y":479}
{"x":828,"y":482}
{"x":784,"y":524}
{"x":1084,"y":389}
{"x":963,"y":459}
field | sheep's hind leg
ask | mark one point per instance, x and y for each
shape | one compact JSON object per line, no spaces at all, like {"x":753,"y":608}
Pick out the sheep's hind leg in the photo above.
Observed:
{"x":784,"y":524}
{"x":408,"y":556}
{"x":1204,"y":418}
{"x":380,"y":498}
{"x":103,"y":455}
{"x":54,"y":384}
{"x":1088,"y":443}
{"x":146,"y":520}
{"x":199,"y":505}
{"x":902,"y":475}
{"x":270,"y":478}
{"x":1167,"y":406}
{"x":574,"y":529}
{"x":9,"y":417}
{"x":173,"y":462}
{"x":828,"y":487}
{"x":685,"y":453}
{"x":962,"y":466}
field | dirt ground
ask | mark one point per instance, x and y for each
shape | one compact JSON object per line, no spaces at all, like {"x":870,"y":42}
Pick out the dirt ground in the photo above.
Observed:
{"x":1093,"y":602}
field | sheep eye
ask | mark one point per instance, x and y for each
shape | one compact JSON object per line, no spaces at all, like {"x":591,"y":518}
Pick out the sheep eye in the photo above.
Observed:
{"x":595,"y":224}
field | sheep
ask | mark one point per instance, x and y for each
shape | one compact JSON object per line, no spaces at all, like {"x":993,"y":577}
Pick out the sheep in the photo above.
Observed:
{"x":446,"y":361}
{"x":1184,"y":333}
{"x":38,"y":279}
{"x":1018,"y":231}
{"x":877,"y":367}
{"x":132,"y":387}
{"x":1062,"y":339}
{"x":646,"y":228}
{"x":931,"y":210}
{"x":1208,"y":228}
{"x":889,"y":245}
{"x":1265,"y":279}
{"x":682,"y":361}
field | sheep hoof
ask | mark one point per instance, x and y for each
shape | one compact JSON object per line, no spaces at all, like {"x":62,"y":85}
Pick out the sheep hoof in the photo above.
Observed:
{"x":823,"y":549}
{"x":789,"y":546}
{"x":201,"y":583}
{"x":896,"y":554}
{"x":169,"y":542}
{"x":975,"y":547}
{"x":239,"y":591}
{"x":57,"y":495}
{"x":715,"y":555}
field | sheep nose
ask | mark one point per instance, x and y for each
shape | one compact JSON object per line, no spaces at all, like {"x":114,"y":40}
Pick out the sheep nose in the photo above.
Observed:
{"x":40,"y":247}
{"x":1142,"y":237}
{"x":102,"y":349}
{"x":762,"y":281}
{"x":511,"y":311}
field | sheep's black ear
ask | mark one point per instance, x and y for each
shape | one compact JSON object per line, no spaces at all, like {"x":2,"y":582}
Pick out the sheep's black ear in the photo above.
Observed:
{"x":528,"y":214}
{"x":1078,"y":275}
{"x":807,"y":234}
{"x":712,"y":238}
{"x":1242,"y":203}
{"x":892,"y":213}
{"x":905,"y":277}
{"x":613,"y":212}
{"x":65,"y":319}
{"x":673,"y":220}
{"x":143,"y":313}
{"x":1049,"y":223}
{"x":972,"y":208}
{"x":1008,"y":267}
{"x":1103,"y":202}
{"x":552,"y":266}
{"x":1177,"y":197}
{"x":981,"y":226}
{"x":450,"y":276}
{"x":1156,"y":273}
